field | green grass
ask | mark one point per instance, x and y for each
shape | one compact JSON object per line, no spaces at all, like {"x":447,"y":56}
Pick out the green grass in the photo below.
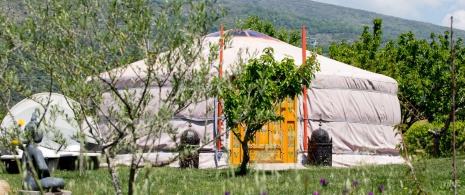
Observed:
{"x":434,"y":174}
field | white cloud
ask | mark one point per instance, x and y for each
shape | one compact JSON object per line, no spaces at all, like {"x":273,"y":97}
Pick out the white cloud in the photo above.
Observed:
{"x":459,"y":19}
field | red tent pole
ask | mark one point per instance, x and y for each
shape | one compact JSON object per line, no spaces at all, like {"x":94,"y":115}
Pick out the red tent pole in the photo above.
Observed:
{"x":304,"y":90}
{"x":220,"y":73}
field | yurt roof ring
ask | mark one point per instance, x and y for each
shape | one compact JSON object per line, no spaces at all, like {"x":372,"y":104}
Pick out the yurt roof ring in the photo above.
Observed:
{"x":243,"y":33}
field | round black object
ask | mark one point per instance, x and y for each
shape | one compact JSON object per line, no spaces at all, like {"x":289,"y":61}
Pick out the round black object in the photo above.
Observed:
{"x":188,"y":154}
{"x":190,"y":137}
{"x":320,"y":136}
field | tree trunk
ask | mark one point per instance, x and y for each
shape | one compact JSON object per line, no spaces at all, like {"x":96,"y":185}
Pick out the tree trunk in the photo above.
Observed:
{"x":436,"y":140}
{"x":82,"y":148}
{"x":112,"y":171}
{"x":437,"y":134}
{"x":81,"y":159}
{"x":245,"y":159}
{"x":133,"y":169}
{"x":132,"y":177}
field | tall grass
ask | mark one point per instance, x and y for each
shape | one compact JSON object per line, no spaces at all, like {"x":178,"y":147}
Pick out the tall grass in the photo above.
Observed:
{"x":435,"y":175}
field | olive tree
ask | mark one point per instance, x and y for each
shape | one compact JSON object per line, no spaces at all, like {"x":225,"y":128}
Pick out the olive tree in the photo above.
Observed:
{"x":87,"y":45}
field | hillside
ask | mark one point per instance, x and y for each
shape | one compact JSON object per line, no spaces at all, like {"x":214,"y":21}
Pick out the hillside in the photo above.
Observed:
{"x":328,"y":23}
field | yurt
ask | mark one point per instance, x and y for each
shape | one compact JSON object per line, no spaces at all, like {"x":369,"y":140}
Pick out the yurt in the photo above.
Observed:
{"x":60,"y":130}
{"x":357,"y":108}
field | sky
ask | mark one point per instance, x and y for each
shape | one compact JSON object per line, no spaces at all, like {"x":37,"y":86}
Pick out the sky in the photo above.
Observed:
{"x":433,"y":11}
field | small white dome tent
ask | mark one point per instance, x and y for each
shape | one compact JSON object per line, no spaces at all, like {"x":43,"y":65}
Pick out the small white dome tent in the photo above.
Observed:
{"x":358,"y":108}
{"x":59,"y":122}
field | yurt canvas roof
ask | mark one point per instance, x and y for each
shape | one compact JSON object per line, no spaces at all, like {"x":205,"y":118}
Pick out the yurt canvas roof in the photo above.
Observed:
{"x":248,"y":47}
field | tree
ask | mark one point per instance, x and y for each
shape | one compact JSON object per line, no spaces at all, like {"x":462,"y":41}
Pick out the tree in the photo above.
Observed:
{"x":87,"y":45}
{"x":256,"y":89}
{"x":421,"y":68}
{"x":15,"y":77}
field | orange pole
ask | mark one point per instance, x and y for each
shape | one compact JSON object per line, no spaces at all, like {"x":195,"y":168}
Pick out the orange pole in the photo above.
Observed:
{"x":304,"y":91}
{"x":220,"y":73}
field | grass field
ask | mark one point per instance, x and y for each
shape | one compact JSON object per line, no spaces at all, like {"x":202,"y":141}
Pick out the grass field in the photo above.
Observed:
{"x":434,"y":174}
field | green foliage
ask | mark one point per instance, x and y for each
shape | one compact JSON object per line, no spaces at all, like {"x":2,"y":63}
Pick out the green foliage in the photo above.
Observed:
{"x":257,"y":88}
{"x":419,"y":142}
{"x":446,"y":142}
{"x":328,"y":23}
{"x":85,"y":47}
{"x":421,"y":68}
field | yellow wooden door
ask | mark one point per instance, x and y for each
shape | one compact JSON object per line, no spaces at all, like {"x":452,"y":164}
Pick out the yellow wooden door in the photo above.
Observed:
{"x":275,"y":142}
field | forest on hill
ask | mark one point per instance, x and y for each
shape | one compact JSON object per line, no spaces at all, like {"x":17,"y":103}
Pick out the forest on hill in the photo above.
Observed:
{"x":327,"y":23}
{"x":324,"y":22}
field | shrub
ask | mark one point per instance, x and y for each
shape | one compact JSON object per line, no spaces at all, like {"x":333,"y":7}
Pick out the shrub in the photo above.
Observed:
{"x":418,"y":141}
{"x":446,"y":140}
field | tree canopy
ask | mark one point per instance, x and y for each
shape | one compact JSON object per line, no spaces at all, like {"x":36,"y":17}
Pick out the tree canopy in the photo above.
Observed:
{"x":421,"y":67}
{"x":85,"y":47}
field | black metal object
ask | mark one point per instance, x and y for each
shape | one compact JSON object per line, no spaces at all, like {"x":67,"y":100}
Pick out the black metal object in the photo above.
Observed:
{"x":320,"y":148}
{"x":188,"y":154}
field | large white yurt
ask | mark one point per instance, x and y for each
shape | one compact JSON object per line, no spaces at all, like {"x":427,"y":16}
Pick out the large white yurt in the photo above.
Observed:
{"x":357,"y":108}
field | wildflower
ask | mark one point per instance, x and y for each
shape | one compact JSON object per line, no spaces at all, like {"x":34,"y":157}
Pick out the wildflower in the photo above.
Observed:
{"x":21,"y":122}
{"x":323,"y":182}
{"x":14,"y":142}
{"x":316,"y":193}
{"x":405,"y":188}
{"x":345,"y":192}
{"x":371,"y":193}
{"x":355,"y":183}
{"x":380,"y":188}
{"x":264,"y":193}
{"x":226,"y":193}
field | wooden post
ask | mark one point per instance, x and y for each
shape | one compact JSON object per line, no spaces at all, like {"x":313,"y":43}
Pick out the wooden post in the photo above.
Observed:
{"x":454,"y":141}
{"x":304,"y":92}
{"x":220,"y":74}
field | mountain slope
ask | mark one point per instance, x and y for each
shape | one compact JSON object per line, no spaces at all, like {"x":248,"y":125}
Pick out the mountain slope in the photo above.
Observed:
{"x":328,"y":23}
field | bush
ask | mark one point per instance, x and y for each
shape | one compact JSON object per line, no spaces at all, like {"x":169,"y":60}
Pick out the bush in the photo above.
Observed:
{"x":418,"y":141}
{"x":446,"y":140}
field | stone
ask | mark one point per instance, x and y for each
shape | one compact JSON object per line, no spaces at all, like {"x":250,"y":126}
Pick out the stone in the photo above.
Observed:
{"x":4,"y":187}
